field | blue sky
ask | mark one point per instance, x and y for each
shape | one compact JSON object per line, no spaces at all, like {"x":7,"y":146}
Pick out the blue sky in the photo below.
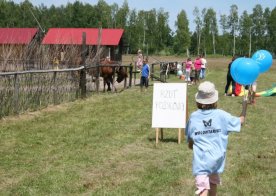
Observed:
{"x":175,"y":6}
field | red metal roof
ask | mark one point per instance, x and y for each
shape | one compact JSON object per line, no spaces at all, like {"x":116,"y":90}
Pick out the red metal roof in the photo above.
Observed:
{"x":17,"y":35}
{"x":73,"y":36}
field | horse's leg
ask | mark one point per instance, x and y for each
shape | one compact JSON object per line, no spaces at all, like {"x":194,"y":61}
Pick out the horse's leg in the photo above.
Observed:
{"x":108,"y":86}
{"x":104,"y":84}
{"x":109,"y":81}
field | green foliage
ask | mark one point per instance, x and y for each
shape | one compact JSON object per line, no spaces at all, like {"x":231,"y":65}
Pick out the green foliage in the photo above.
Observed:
{"x":182,"y":37}
{"x":272,"y":30}
{"x":104,"y":145}
{"x":149,"y":30}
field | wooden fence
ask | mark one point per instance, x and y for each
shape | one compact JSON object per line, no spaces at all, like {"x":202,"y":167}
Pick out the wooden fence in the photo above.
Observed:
{"x":36,"y":89}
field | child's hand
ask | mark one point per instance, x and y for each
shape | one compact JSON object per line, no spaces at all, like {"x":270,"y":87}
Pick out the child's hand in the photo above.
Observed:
{"x":242,"y":118}
{"x":190,"y":144}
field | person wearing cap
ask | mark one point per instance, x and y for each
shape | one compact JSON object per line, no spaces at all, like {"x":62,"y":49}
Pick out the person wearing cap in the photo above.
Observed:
{"x":145,"y":74}
{"x":207,"y":135}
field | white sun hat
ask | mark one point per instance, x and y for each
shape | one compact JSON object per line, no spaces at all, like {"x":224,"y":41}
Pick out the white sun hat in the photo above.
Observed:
{"x":207,"y":93}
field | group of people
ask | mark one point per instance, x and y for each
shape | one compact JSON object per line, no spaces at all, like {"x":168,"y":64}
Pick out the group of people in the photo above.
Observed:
{"x":233,"y":88}
{"x":195,"y":70}
{"x":208,"y":127}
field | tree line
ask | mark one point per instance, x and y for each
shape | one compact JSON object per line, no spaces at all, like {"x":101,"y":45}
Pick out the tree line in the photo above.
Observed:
{"x":150,"y":31}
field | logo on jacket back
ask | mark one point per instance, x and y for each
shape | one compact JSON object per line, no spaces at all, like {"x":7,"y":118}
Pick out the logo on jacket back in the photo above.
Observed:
{"x":208,"y":130}
{"x":207,"y":123}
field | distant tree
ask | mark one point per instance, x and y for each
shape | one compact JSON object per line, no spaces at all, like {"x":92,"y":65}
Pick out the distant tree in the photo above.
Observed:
{"x":103,"y":14}
{"x":210,"y":30}
{"x":122,"y":15}
{"x":223,"y":23}
{"x":266,"y":15}
{"x":259,"y":30}
{"x":150,"y":30}
{"x":233,"y":24}
{"x":131,"y":35}
{"x":182,"y":37}
{"x":163,"y":31}
{"x":199,"y":26}
{"x":246,"y":28}
{"x":224,"y":45}
{"x":114,"y":11}
{"x":271,"y":23}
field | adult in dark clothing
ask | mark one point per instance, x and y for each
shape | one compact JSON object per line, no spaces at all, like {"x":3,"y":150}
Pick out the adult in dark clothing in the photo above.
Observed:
{"x":230,"y":80}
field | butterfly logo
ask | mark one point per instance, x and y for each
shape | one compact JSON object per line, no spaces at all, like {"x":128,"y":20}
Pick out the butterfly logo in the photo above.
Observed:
{"x":207,"y":123}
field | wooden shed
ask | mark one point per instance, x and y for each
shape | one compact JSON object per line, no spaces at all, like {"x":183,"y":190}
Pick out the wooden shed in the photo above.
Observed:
{"x":17,"y":47}
{"x":65,"y":45}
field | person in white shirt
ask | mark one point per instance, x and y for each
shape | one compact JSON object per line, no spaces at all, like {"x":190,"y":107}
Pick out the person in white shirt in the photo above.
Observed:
{"x":203,"y":67}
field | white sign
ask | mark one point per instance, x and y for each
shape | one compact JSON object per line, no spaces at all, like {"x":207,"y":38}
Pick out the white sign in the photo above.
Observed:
{"x":169,"y":105}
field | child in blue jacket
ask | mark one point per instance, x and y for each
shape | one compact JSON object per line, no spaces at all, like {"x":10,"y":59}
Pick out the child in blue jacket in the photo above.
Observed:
{"x":207,"y":134}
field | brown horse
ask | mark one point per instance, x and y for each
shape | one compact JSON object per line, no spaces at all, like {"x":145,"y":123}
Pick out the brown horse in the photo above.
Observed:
{"x":108,"y":73}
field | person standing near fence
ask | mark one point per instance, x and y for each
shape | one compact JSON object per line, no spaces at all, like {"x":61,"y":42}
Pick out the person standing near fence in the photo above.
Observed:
{"x":145,"y":74}
{"x":139,"y":61}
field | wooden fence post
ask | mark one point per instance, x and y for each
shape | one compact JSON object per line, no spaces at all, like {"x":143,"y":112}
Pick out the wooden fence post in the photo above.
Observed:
{"x":83,"y":71}
{"x":16,"y":94}
{"x":135,"y":71}
{"x":55,"y":89}
{"x":152,"y":71}
{"x":130,"y":74}
{"x":83,"y":83}
{"x":99,"y":40}
{"x":113,"y":78}
{"x":125,"y":80}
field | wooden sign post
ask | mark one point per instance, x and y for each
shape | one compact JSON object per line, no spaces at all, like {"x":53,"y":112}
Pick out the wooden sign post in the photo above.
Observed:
{"x":169,"y":108}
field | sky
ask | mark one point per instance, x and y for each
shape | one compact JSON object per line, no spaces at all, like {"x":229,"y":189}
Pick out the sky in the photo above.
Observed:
{"x":173,"y":7}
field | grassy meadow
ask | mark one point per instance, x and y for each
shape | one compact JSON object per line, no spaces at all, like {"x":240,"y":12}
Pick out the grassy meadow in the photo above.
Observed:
{"x":104,"y":145}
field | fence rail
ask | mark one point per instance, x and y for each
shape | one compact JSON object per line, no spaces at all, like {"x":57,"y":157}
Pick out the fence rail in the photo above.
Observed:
{"x":35,"y":89}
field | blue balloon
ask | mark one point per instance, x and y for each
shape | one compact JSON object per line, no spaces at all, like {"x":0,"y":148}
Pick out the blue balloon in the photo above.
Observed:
{"x":233,"y":67}
{"x":263,"y":59}
{"x":245,"y":71}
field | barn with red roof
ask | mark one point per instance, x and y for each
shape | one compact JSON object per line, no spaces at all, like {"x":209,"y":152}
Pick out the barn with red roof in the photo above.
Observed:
{"x":17,"y":44}
{"x":61,"y":41}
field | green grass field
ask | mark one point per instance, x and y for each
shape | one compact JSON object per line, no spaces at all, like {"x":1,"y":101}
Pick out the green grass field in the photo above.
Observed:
{"x":104,"y":145}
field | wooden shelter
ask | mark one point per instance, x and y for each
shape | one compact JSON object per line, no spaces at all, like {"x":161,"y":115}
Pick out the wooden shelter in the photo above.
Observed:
{"x":17,"y":47}
{"x":65,"y":45}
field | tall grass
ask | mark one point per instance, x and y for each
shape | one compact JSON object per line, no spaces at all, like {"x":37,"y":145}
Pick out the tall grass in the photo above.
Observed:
{"x":104,"y":145}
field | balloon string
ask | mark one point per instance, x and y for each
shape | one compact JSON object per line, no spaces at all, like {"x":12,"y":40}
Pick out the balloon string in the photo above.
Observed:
{"x":244,"y":105}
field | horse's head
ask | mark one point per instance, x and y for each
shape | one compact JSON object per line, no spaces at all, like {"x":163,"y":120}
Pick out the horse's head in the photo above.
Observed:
{"x":121,"y":74}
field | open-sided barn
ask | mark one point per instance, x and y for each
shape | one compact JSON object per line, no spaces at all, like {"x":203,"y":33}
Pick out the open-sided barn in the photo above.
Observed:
{"x":17,"y":47}
{"x":66,"y":44}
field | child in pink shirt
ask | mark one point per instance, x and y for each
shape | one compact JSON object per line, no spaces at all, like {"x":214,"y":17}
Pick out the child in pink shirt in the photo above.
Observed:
{"x":188,"y":69}
{"x":197,"y":68}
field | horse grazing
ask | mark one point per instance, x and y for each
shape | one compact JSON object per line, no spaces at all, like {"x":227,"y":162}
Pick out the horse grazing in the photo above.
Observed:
{"x":108,"y":73}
